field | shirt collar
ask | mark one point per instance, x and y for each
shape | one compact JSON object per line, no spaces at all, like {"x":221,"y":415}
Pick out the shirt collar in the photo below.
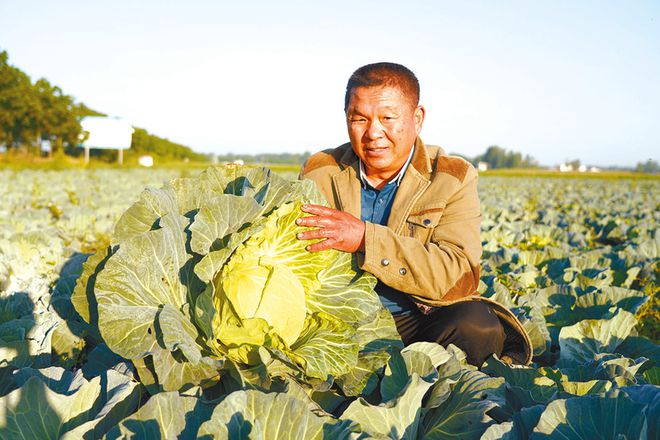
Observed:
{"x":396,"y":179}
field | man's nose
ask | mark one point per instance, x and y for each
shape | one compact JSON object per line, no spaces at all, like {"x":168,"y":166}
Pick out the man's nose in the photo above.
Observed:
{"x":375,"y":129}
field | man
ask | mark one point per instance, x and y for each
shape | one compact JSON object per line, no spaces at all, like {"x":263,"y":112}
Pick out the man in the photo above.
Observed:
{"x":411,"y":215}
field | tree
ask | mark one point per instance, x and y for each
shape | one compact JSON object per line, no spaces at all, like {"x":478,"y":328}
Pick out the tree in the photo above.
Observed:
{"x":498,"y":157}
{"x":20,"y":107}
{"x":58,"y":120}
{"x":650,"y":167}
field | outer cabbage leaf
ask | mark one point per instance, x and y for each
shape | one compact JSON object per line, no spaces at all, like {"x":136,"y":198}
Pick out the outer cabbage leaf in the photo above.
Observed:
{"x":590,"y":417}
{"x":54,"y":403}
{"x":220,"y":217}
{"x":136,"y":282}
{"x":325,"y":347}
{"x":463,"y":414}
{"x":165,"y":415}
{"x":253,"y":414}
{"x":398,"y":418}
{"x":582,"y":341}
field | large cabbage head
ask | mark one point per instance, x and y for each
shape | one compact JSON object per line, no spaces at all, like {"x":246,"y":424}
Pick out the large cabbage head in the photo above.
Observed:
{"x":206,"y":275}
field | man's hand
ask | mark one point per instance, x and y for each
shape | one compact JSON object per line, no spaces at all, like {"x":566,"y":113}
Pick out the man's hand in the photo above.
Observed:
{"x":341,"y":230}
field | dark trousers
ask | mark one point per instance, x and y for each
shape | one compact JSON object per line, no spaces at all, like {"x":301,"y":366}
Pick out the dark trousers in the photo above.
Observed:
{"x":472,"y":326}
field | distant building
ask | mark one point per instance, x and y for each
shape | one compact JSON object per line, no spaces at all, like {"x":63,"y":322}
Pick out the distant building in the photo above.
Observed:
{"x":146,"y":161}
{"x":235,"y":162}
{"x":582,"y":168}
{"x":482,"y":166}
{"x":565,"y":167}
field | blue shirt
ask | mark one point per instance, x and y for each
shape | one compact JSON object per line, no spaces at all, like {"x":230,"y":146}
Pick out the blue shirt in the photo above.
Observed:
{"x":375,"y":208}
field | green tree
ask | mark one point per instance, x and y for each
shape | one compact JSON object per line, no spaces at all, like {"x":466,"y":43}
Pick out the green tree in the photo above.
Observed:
{"x":498,"y":157}
{"x":650,"y":167}
{"x":57,"y":120}
{"x":19,"y":118}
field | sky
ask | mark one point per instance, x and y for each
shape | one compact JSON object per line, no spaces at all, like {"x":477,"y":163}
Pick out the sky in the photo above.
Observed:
{"x":560,"y":80}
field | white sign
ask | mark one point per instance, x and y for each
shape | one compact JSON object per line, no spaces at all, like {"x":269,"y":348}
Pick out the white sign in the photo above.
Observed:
{"x":106,"y":133}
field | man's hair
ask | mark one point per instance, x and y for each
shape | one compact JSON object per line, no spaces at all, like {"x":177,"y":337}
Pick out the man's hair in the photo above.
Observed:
{"x":384,"y":74}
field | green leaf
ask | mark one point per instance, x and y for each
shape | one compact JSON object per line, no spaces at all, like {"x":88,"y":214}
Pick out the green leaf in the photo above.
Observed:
{"x":129,"y":299}
{"x":117,"y":397}
{"x":143,"y":214}
{"x":463,"y":414}
{"x":527,"y":386}
{"x":398,"y":419}
{"x":591,"y":417}
{"x":326,"y":346}
{"x":165,"y":415}
{"x":652,"y":376}
{"x":178,"y":332}
{"x":66,"y":346}
{"x":219,"y":217}
{"x":362,"y":379}
{"x":121,"y":396}
{"x":581,"y":342}
{"x":421,"y":358}
{"x":591,"y":387}
{"x":648,"y":395}
{"x":253,"y":414}
{"x":638,"y":346}
{"x":345,"y":291}
{"x":35,"y":411}
{"x":176,"y":373}
{"x":83,"y":298}
{"x":101,"y":359}
{"x":376,"y":340}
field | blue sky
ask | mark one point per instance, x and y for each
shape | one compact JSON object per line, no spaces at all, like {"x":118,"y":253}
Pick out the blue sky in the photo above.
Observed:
{"x":556,"y":80}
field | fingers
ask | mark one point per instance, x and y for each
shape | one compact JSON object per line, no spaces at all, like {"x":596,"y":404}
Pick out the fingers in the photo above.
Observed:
{"x":312,"y":234}
{"x":321,"y":246}
{"x":314,"y":221}
{"x":337,"y":229}
{"x":318,"y":210}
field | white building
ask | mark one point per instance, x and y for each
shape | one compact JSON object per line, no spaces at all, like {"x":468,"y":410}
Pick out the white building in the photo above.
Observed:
{"x":146,"y":161}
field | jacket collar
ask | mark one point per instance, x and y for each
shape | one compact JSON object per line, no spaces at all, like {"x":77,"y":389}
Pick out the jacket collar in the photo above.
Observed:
{"x":420,"y":159}
{"x":347,"y":185}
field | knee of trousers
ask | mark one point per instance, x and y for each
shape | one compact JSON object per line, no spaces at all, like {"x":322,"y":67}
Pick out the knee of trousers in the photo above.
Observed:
{"x":474,"y":328}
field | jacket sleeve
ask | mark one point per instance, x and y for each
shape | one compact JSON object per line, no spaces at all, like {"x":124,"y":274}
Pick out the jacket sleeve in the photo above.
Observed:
{"x":444,"y":269}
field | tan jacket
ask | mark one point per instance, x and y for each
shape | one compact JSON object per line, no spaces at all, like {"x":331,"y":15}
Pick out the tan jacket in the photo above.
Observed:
{"x":430,"y":247}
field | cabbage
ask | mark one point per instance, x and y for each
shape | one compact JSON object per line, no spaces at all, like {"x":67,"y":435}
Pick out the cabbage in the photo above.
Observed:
{"x":205,"y":278}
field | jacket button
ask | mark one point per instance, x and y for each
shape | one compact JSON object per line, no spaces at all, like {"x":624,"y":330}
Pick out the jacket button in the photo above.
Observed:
{"x":426,"y":222}
{"x":385,"y":262}
{"x":403,"y":271}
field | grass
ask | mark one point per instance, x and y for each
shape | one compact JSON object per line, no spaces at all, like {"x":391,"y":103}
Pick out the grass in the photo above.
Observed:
{"x":533,"y":172}
{"x":18,"y":161}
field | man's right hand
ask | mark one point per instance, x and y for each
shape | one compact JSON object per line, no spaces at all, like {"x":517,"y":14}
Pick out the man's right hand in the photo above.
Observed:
{"x":340,"y":230}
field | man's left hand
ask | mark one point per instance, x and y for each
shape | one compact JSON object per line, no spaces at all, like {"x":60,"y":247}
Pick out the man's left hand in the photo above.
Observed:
{"x":341,"y":230}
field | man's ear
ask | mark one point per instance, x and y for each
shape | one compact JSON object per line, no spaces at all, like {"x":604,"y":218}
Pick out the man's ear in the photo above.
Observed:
{"x":420,"y":112}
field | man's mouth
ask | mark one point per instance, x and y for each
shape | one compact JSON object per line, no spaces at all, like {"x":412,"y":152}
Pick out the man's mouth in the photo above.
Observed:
{"x":375,"y":150}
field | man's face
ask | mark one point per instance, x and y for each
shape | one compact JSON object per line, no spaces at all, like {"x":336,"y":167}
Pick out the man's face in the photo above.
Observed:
{"x":382,"y":126}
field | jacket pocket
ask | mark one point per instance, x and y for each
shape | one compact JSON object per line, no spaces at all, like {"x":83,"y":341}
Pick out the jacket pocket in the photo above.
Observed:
{"x":421,"y":222}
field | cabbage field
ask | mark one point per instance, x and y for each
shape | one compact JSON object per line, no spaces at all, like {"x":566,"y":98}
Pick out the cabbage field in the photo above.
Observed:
{"x":161,"y":304}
